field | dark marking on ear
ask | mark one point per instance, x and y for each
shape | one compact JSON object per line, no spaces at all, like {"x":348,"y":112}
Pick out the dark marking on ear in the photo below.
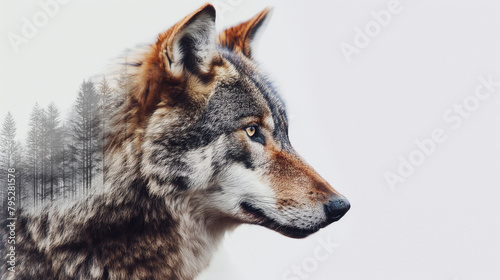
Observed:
{"x":189,"y":59}
{"x":192,"y":61}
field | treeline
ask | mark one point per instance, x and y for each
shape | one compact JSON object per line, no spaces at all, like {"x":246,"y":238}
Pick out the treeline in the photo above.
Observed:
{"x":62,"y":156}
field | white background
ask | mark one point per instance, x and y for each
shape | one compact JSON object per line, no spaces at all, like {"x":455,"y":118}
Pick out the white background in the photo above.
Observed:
{"x":351,"y":121}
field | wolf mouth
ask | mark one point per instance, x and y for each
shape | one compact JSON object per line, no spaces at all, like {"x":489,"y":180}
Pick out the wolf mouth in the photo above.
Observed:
{"x":263,"y":220}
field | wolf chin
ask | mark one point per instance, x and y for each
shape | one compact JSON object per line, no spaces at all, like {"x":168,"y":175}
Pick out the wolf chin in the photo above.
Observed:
{"x":197,"y":146}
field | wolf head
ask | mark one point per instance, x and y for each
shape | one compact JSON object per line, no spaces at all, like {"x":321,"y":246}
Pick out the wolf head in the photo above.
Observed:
{"x":208,"y":126}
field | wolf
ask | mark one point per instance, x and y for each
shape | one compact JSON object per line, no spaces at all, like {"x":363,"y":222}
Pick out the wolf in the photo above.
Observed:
{"x":196,"y":146}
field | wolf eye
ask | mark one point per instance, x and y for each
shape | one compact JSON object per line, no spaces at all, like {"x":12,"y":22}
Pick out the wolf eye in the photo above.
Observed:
{"x":254,"y":134}
{"x":251,"y":130}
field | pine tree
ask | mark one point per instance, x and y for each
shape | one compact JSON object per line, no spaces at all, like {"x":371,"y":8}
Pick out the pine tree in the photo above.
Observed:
{"x":106,"y":92}
{"x":65,"y":162}
{"x":54,"y":143}
{"x":33,"y":155}
{"x":7,"y":141}
{"x":87,"y":134}
{"x":43,"y":156}
{"x":8,"y":150}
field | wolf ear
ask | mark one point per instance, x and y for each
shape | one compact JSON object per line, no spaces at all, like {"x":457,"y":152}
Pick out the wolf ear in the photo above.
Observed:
{"x":242,"y":37}
{"x":190,"y":44}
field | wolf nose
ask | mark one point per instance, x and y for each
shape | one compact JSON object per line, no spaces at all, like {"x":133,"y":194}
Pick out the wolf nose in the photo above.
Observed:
{"x":336,"y":209}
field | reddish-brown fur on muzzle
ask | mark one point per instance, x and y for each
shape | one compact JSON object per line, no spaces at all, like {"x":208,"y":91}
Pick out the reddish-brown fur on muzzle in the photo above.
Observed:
{"x":292,"y":177}
{"x":298,"y":185}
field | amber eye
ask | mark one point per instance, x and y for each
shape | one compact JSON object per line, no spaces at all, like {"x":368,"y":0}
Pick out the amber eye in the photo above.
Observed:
{"x":251,"y":130}
{"x":255,"y":134}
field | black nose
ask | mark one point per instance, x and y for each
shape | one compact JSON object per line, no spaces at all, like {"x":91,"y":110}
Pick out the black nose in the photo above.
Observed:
{"x":336,"y":208}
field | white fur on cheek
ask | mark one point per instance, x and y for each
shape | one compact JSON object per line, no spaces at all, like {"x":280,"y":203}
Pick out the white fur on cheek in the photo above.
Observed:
{"x":240,"y":184}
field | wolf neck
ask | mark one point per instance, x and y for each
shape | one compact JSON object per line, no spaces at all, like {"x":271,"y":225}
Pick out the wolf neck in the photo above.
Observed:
{"x":172,"y":228}
{"x":175,"y":239}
